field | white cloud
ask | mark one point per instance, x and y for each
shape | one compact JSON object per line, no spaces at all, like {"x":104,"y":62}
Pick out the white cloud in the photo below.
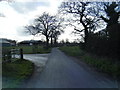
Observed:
{"x":22,"y":12}
{"x":25,"y":7}
{"x":11,"y":21}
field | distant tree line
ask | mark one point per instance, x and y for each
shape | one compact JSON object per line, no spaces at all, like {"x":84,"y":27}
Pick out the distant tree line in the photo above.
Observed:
{"x":68,"y":43}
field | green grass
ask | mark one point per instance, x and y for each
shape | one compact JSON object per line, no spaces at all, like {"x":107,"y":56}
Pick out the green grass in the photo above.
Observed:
{"x":15,"y":72}
{"x":72,"y":50}
{"x":103,"y":64}
{"x":18,"y":70}
{"x":29,"y":49}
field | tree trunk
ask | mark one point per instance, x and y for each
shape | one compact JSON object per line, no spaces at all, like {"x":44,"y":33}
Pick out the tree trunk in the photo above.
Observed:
{"x":55,"y":41}
{"x":21,"y":54}
{"x":47,"y":42}
{"x":86,"y":38}
{"x":85,"y":31}
{"x":51,"y":41}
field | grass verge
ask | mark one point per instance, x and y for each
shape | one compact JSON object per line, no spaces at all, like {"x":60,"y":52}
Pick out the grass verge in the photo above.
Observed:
{"x":14,"y":73}
{"x":103,"y":64}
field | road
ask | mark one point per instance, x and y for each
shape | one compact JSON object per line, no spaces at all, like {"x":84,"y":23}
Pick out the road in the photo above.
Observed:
{"x":61,"y":71}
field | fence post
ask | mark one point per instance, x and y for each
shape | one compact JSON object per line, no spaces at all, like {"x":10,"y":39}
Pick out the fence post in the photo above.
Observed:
{"x":9,"y":56}
{"x":21,"y":54}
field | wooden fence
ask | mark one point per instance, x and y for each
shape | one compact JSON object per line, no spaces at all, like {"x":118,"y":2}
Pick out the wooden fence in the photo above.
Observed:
{"x":12,"y":54}
{"x":17,"y":53}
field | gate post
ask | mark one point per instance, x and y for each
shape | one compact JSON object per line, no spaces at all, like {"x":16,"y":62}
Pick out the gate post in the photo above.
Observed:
{"x":21,"y":53}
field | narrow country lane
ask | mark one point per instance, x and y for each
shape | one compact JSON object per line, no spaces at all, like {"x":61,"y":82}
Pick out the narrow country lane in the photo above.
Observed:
{"x":61,"y":71}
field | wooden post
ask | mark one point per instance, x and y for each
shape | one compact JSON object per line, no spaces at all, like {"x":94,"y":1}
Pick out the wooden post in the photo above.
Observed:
{"x":21,"y":54}
{"x":9,"y":56}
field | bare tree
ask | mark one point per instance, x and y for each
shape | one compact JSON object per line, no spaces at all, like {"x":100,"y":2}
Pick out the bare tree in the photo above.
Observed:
{"x":84,"y":14}
{"x":57,"y":29}
{"x":46,"y":25}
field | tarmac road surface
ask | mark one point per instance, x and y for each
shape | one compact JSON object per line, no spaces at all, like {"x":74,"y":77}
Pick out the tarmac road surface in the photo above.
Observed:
{"x":60,"y":71}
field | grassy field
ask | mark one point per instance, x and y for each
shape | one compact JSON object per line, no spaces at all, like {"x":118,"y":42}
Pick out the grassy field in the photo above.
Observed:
{"x":15,"y":72}
{"x":102,"y":64}
{"x":29,"y":49}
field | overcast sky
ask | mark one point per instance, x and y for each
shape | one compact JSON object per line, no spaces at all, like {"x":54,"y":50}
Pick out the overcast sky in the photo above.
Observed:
{"x":15,"y":15}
